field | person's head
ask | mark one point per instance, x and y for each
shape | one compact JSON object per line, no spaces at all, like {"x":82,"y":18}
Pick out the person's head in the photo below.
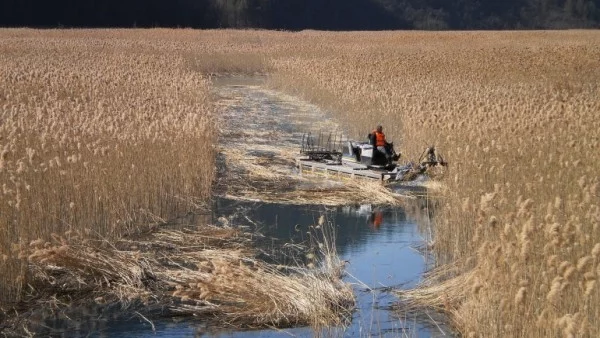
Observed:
{"x":379,"y":128}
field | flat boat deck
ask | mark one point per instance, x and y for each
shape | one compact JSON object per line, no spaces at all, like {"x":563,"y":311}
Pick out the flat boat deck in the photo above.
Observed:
{"x":347,"y":169}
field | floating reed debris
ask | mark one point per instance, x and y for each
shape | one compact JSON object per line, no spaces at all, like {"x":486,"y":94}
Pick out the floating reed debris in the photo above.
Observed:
{"x":208,"y":272}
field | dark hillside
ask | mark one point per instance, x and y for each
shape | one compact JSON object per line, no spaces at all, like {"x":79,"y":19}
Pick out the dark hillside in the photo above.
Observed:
{"x":304,"y":14}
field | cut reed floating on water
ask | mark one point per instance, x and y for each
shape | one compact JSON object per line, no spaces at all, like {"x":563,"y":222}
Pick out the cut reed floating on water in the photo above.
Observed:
{"x":209,"y":272}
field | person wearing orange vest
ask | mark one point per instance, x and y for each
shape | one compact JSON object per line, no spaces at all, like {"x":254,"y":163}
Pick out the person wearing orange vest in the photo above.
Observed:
{"x":378,"y":140}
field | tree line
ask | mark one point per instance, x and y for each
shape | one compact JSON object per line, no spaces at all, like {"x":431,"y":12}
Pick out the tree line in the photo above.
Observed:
{"x":304,"y":14}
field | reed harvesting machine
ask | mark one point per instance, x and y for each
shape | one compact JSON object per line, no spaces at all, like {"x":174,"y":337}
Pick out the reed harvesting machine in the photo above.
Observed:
{"x":336,"y":155}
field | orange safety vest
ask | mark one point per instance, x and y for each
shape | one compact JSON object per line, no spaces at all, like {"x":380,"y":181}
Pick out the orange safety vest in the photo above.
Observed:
{"x":379,"y":138}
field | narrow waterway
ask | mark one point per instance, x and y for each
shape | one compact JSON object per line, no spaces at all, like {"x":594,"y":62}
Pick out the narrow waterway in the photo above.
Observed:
{"x":381,"y":244}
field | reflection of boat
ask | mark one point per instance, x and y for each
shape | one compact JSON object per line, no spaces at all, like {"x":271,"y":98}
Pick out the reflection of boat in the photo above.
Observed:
{"x":374,"y":215}
{"x":363,"y":210}
{"x":335,"y":156}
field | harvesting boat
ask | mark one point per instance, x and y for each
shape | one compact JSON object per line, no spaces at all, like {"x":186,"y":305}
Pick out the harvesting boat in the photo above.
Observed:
{"x":333,"y":155}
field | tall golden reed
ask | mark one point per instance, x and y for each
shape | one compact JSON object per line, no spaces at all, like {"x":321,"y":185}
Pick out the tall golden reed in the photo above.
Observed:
{"x":516,"y":113}
{"x":101,"y":132}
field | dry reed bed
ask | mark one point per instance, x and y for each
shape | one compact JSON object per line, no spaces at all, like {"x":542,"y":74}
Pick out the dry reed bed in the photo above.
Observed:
{"x":514,"y":112}
{"x":516,"y":115}
{"x":106,"y":133}
{"x":100,"y":133}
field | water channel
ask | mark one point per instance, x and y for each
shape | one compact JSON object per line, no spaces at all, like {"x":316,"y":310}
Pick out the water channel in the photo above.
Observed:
{"x":380,"y":244}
